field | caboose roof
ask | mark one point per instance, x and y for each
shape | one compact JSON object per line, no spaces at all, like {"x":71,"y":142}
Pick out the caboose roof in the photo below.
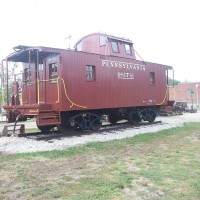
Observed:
{"x":21,"y":52}
{"x":126,"y":40}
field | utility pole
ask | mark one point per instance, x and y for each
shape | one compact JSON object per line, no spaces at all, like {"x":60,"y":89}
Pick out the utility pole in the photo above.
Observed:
{"x":68,"y":38}
{"x":2,"y":85}
{"x":197,"y":90}
{"x":1,"y":90}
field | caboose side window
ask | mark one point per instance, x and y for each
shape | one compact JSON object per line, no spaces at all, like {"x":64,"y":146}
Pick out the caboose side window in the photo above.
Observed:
{"x":128,"y":49}
{"x":152,"y":78}
{"x":115,"y":48}
{"x":90,"y":73}
{"x":53,"y":72}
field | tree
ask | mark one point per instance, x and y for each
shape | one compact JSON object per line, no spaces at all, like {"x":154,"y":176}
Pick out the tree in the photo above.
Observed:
{"x":174,"y":82}
{"x":13,"y":70}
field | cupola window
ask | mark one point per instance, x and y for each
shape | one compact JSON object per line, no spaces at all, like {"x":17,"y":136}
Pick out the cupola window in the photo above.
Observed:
{"x":102,"y":40}
{"x":115,"y":48}
{"x":128,"y":49}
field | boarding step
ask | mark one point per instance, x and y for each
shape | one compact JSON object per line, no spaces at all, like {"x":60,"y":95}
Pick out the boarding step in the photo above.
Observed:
{"x":48,"y":117}
{"x":13,"y":130}
{"x":45,"y":107}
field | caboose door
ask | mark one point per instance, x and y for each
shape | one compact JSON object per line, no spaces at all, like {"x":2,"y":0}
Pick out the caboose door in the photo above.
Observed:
{"x":51,"y":82}
{"x":29,"y":94}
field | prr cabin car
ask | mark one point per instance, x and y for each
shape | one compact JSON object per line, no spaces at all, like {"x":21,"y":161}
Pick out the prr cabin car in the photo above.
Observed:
{"x":75,"y":88}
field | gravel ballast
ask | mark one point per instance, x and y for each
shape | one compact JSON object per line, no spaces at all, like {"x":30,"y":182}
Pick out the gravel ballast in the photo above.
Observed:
{"x":22,"y":145}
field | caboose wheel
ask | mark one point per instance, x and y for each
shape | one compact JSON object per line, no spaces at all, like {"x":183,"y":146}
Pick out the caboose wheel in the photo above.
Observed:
{"x":45,"y":129}
{"x":134,"y":118}
{"x":113,"y":118}
{"x":65,"y":127}
{"x":151,"y":117}
{"x":96,"y":124}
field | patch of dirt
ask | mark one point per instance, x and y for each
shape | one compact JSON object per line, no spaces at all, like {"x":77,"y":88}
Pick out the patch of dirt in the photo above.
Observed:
{"x":142,"y":189}
{"x":195,"y":137}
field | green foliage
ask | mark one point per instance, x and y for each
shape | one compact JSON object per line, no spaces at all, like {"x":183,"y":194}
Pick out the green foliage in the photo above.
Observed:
{"x":174,"y":82}
{"x":13,"y":70}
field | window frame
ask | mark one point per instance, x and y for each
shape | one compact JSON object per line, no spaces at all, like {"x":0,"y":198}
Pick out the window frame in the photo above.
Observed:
{"x":113,"y":47}
{"x":53,"y":77}
{"x":127,"y":51}
{"x":41,"y":67}
{"x":152,"y":78}
{"x":90,"y":73}
{"x":27,"y":75}
{"x":102,"y":42}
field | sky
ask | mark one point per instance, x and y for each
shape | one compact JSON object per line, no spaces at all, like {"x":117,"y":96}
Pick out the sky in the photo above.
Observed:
{"x":163,"y":31}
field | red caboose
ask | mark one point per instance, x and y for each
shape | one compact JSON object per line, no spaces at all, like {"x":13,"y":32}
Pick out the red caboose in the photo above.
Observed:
{"x":74,"y":88}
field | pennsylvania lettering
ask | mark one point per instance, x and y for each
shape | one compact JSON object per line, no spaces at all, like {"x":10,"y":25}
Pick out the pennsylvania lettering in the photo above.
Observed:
{"x":123,"y":65}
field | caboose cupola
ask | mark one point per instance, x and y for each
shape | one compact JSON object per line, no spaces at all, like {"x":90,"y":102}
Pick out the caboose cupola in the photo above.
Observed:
{"x":107,"y":45}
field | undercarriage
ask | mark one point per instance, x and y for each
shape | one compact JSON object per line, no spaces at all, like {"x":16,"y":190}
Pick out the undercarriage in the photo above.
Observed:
{"x":47,"y":118}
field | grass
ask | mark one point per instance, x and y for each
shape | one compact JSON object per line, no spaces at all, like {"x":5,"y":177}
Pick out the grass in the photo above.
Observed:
{"x":32,"y":130}
{"x":163,"y":165}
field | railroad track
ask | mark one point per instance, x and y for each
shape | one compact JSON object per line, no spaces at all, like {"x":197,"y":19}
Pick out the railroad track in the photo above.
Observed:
{"x":55,"y":134}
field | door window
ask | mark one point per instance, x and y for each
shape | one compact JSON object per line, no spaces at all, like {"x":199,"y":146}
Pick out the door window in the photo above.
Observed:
{"x":53,"y":72}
